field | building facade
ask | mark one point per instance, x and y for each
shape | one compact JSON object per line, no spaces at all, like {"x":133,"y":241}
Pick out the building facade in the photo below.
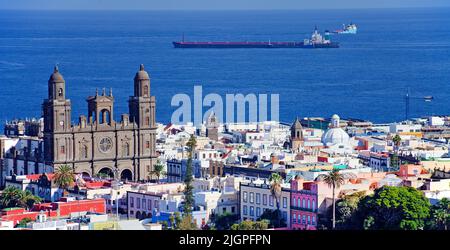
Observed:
{"x":256,"y":198}
{"x":99,"y":144}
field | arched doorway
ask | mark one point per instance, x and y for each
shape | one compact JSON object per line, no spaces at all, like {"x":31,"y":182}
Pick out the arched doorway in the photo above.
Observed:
{"x":105,"y":173}
{"x":126,"y":175}
{"x":138,"y":215}
{"x":143,"y":216}
{"x":85,"y":175}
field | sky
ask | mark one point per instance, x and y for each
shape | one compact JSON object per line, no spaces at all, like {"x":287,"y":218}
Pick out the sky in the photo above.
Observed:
{"x":214,"y":4}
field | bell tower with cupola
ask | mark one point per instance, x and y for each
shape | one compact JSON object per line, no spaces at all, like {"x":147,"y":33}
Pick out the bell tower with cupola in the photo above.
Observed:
{"x":57,"y":119}
{"x":142,"y":113}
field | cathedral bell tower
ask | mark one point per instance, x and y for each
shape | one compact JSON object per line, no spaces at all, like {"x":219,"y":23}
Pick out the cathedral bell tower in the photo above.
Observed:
{"x":142,"y":113}
{"x":57,"y":118}
{"x":296,"y":136}
{"x":142,"y":104}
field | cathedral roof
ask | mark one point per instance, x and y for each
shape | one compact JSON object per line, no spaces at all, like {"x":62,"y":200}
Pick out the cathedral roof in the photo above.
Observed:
{"x":56,"y":76}
{"x":142,"y":74}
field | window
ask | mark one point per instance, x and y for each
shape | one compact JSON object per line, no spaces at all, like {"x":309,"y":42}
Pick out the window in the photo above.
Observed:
{"x":264,"y":200}
{"x":304,"y":203}
{"x":138,"y":203}
{"x":258,"y":211}
{"x":252,"y":197}
{"x":271,"y":201}
{"x":150,"y":205}
{"x":304,"y":219}
{"x":294,"y":218}
{"x":309,"y":219}
{"x":245,"y":196}
{"x":147,"y":144}
{"x":63,"y":149}
{"x":252,"y":211}
{"x":146,"y":90}
{"x":309,"y":204}
{"x":144,"y":203}
{"x":258,"y":198}
{"x":131,"y":202}
{"x":284,"y":202}
{"x":313,"y":205}
{"x":293,"y":201}
{"x":285,"y":215}
{"x":232,"y":210}
{"x":60,"y":92}
{"x":245,"y":210}
{"x":314,"y":220}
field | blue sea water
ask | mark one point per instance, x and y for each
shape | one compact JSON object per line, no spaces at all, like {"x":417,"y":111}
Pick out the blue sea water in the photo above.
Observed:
{"x":366,"y":78}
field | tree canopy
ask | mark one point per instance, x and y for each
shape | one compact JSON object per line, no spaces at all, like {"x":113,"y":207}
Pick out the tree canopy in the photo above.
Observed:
{"x":394,"y":208}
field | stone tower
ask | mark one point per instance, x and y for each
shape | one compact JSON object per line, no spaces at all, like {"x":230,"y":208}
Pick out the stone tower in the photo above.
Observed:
{"x":57,"y":120}
{"x":212,"y":127}
{"x":296,"y":136}
{"x":142,"y":112}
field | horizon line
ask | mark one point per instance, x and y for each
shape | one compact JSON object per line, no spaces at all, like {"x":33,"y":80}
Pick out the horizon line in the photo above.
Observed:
{"x":214,"y":9}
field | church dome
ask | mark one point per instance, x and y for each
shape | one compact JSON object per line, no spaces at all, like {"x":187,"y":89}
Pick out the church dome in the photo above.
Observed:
{"x":335,"y":136}
{"x":142,"y":74}
{"x":56,"y":76}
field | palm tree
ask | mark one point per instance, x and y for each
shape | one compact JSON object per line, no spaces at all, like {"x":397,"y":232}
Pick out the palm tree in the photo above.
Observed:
{"x":14,"y":197}
{"x":334,"y":180}
{"x":64,"y":177}
{"x":10,"y":197}
{"x":276,"y":191}
{"x":158,"y":170}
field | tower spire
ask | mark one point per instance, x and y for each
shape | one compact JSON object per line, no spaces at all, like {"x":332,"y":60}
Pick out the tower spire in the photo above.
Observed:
{"x":110,"y":92}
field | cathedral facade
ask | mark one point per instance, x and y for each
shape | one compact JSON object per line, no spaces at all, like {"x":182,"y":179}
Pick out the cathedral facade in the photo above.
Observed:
{"x":99,"y":145}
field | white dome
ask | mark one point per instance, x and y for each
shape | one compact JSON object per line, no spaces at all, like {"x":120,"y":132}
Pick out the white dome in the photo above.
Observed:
{"x":335,"y":136}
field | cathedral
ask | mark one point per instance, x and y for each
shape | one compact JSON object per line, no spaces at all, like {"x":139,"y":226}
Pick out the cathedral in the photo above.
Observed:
{"x":99,"y":145}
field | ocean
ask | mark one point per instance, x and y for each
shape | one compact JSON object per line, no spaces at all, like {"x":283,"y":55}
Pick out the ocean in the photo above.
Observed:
{"x":367,"y":78}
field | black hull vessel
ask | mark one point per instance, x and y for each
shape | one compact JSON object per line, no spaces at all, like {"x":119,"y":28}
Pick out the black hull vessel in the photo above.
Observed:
{"x":245,"y":45}
{"x":316,"y":41}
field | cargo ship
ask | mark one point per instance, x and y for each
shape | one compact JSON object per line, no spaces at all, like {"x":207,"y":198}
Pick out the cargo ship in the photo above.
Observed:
{"x":347,"y":29}
{"x":316,"y":41}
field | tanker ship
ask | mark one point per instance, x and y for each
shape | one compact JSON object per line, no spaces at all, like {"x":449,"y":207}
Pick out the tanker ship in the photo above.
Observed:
{"x":316,"y":41}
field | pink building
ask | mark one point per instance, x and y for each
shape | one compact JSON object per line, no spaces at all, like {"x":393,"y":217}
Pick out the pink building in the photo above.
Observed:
{"x":303,"y":204}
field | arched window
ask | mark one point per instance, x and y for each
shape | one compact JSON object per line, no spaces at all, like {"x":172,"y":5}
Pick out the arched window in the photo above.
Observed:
{"x":145,"y":90}
{"x":60,"y":92}
{"x":298,"y":202}
{"x":309,"y":204}
{"x":105,"y":116}
{"x":313,"y":205}
{"x":304,"y":203}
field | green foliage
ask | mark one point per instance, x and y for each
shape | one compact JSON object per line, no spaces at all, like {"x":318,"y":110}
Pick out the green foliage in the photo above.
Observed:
{"x":187,"y":223}
{"x":274,"y":218}
{"x":251,"y":225}
{"x":225,"y":221}
{"x":64,"y":176}
{"x":334,"y":179}
{"x":158,"y":170}
{"x":345,"y":210}
{"x":14,"y":197}
{"x":276,"y":190}
{"x":440,"y":215}
{"x":23,"y":223}
{"x":188,"y":189}
{"x":394,"y":208}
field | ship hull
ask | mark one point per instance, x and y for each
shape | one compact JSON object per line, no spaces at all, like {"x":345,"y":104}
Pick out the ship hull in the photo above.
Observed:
{"x":246,"y":45}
